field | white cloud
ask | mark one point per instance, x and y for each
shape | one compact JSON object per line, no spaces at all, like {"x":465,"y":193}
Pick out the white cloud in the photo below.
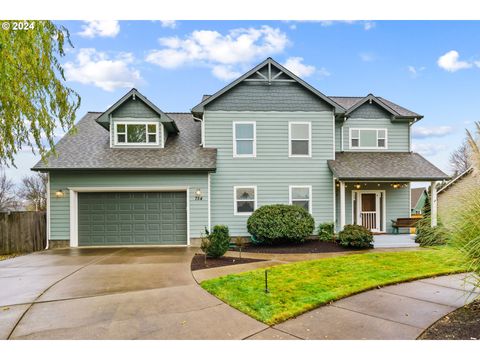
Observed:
{"x":415,"y":71}
{"x":450,"y":62}
{"x":97,"y":68}
{"x":367,"y":25}
{"x":429,"y":149}
{"x":172,"y":24}
{"x":367,"y":57}
{"x":423,"y":132}
{"x":225,"y":72}
{"x":239,"y":47}
{"x":295,"y":64}
{"x":103,"y":28}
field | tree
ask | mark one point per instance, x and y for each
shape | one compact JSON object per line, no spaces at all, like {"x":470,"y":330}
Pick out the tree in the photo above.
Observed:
{"x":33,"y":190}
{"x":474,"y":145}
{"x":460,"y":159}
{"x":33,"y":97}
{"x":8,"y":201}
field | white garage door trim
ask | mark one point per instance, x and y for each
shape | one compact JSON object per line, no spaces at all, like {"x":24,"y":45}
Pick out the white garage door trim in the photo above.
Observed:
{"x":74,"y":206}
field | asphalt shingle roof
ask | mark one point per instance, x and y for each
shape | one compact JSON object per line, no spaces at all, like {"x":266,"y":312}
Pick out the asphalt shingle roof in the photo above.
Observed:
{"x":395,"y":166}
{"x":415,"y":196}
{"x":348,"y":101}
{"x":89,"y":148}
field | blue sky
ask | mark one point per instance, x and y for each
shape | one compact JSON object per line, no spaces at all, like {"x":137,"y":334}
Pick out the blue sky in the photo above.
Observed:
{"x":430,"y":67}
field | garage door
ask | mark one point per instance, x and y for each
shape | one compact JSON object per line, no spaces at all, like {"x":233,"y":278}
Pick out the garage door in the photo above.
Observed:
{"x":137,"y":218}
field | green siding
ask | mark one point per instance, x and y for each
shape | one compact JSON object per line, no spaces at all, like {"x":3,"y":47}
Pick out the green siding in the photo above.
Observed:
{"x":397,"y":202}
{"x":60,"y":207}
{"x":260,"y":96}
{"x":135,"y":109}
{"x":398,"y":133}
{"x":272,"y":171}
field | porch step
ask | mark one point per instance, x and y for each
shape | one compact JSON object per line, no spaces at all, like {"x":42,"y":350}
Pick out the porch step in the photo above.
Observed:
{"x":394,"y":241}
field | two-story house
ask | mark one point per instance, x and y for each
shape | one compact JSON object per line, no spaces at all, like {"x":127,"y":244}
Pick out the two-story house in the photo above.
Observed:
{"x":135,"y":175}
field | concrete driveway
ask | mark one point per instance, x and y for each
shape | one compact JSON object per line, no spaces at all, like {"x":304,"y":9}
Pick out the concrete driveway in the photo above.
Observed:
{"x":127,"y":293}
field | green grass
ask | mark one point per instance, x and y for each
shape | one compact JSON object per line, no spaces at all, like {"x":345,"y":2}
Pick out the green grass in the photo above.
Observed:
{"x":298,"y":287}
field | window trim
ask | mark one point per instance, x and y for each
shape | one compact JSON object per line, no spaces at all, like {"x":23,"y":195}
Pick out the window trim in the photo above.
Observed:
{"x":158,"y":132}
{"x":309,"y":123}
{"x":235,"y":212}
{"x":367,"y":147}
{"x":310,"y":201}
{"x":234,"y":133}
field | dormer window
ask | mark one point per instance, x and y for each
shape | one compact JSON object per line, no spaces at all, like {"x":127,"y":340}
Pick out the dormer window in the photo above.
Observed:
{"x":136,"y":133}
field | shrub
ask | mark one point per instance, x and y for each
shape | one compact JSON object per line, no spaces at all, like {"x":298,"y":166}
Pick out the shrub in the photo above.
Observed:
{"x":355,"y":236}
{"x":276,"y":223}
{"x":428,"y":236}
{"x":326,"y":231}
{"x":216,"y":243}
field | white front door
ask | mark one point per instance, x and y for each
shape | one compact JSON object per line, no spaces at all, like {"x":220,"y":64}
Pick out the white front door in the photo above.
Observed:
{"x":368,"y":209}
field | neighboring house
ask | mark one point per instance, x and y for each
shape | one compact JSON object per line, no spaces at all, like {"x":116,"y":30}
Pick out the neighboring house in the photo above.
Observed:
{"x":417,"y":200}
{"x":453,"y":194}
{"x":136,"y":175}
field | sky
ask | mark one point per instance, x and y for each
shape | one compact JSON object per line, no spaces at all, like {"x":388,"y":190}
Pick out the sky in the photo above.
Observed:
{"x":430,"y":67}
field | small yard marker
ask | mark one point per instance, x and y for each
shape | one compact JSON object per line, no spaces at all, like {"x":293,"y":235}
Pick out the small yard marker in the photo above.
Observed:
{"x":266,"y":281}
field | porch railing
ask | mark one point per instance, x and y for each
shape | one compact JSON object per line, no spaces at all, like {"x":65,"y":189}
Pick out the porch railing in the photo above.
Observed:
{"x":369,"y":219}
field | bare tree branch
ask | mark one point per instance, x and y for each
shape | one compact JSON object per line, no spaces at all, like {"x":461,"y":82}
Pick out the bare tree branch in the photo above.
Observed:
{"x":33,"y":190}
{"x":8,"y":201}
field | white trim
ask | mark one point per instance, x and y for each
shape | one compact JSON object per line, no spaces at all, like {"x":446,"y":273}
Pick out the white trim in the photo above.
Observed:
{"x":202,"y":129}
{"x":73,"y":218}
{"x":367,"y":147}
{"x":158,"y":133}
{"x":334,"y":135}
{"x":48,"y":210}
{"x":309,"y":123}
{"x":359,"y":204}
{"x":310,"y":200}
{"x":234,"y":132}
{"x":342,"y":205}
{"x":433,"y":203}
{"x":254,"y":187}
{"x":74,"y":204}
{"x":334,"y":203}
{"x":208,"y":203}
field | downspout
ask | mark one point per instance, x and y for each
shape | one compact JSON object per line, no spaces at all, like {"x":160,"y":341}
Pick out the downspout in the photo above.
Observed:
{"x":48,"y":211}
{"x":202,"y":131}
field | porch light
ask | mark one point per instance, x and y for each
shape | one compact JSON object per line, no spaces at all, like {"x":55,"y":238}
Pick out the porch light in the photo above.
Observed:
{"x":59,"y":193}
{"x":198,"y":194}
{"x":396,"y":186}
{"x":357,"y":186}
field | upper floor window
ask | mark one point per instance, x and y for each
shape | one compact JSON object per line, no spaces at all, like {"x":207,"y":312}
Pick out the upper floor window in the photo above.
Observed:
{"x":245,"y":199}
{"x":368,"y":138}
{"x":244,"y":139}
{"x":136,"y":133}
{"x":300,"y":139}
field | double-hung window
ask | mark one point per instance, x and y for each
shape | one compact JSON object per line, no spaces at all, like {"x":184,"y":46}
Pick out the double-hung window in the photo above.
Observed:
{"x":244,"y":139}
{"x":368,"y":138}
{"x":136,"y":133}
{"x":300,"y":139}
{"x":245,"y":199}
{"x":301,"y":195}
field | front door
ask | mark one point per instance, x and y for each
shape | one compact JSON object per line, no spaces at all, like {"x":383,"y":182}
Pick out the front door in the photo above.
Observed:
{"x":368,"y":210}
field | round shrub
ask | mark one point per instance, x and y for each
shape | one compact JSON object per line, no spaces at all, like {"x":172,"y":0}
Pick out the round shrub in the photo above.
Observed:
{"x":280,"y":223}
{"x":216,"y":243}
{"x":355,"y":236}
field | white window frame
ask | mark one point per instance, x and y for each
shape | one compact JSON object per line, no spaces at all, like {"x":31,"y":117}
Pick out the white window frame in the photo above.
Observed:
{"x":367,"y":147}
{"x":159,"y":134}
{"x":254,"y":187}
{"x":290,"y":123}
{"x":234,"y":131}
{"x":290,"y":199}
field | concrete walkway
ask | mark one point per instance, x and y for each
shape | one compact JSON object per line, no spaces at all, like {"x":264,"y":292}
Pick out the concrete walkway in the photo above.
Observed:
{"x":130,"y":293}
{"x":395,"y":312}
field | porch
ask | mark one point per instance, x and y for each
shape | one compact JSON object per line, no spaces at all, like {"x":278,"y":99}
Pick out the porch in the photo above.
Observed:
{"x":373,"y":189}
{"x":385,"y":241}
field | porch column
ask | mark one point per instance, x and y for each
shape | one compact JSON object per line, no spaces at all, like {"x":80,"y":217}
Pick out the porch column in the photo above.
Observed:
{"x":433,"y":203}
{"x":342,"y":205}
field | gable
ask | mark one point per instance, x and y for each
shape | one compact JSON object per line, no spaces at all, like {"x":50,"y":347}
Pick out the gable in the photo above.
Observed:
{"x":268,"y":87}
{"x":370,"y":111}
{"x":134,"y":109}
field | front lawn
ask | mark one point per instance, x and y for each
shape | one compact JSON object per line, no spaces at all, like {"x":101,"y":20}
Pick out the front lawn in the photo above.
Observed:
{"x":298,"y":287}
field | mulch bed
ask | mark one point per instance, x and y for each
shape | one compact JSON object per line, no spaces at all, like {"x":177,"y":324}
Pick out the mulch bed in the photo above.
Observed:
{"x":198,"y":262}
{"x":462,"y":324}
{"x":307,"y":247}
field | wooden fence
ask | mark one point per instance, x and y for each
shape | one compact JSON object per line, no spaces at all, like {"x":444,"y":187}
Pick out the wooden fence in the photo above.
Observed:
{"x":22,"y":231}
